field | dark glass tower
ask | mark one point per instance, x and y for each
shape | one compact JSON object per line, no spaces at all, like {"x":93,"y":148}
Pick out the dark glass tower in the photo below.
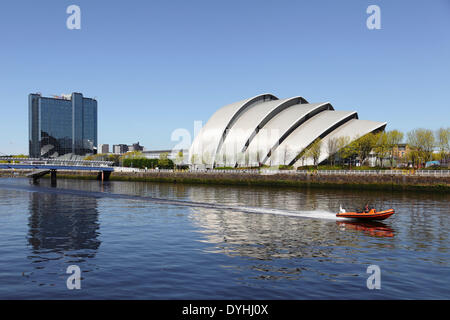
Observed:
{"x":62,"y":125}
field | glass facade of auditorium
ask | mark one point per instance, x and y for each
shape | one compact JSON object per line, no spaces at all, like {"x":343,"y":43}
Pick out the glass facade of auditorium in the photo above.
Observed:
{"x":59,"y":126}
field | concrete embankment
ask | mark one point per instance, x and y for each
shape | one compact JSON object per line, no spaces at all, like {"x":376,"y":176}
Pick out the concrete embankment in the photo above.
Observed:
{"x":440,"y":183}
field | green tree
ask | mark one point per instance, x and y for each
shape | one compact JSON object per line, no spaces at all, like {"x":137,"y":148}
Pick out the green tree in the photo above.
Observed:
{"x":382,"y":146}
{"x":421,"y":142}
{"x":364,"y":145}
{"x":314,"y":151}
{"x":133,"y":155}
{"x":114,"y":158}
{"x":179,"y":158}
{"x":394,"y":138}
{"x":443,"y":142}
{"x":427,"y":143}
{"x":20,"y":156}
{"x":97,"y":157}
{"x":343,"y":150}
{"x":332,"y":148}
{"x":163,"y":161}
{"x":302,"y":155}
{"x":140,"y":163}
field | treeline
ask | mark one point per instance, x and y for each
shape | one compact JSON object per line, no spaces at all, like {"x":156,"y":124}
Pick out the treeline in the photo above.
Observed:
{"x":135,"y":159}
{"x":423,"y":143}
{"x":22,"y":156}
{"x":421,"y":146}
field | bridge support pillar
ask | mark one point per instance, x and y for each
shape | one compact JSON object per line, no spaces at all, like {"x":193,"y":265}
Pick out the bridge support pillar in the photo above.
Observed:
{"x":103,"y":175}
{"x":53,"y":178}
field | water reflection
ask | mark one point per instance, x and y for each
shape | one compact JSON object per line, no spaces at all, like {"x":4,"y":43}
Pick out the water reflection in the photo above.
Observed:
{"x":266,"y":236}
{"x":158,"y":190}
{"x":373,"y":228}
{"x":62,"y":226}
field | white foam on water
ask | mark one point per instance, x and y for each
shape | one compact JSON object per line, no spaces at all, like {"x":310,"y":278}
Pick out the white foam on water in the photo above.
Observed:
{"x":313,"y":214}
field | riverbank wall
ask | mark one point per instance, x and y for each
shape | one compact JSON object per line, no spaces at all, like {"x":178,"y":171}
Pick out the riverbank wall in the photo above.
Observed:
{"x":357,"y":181}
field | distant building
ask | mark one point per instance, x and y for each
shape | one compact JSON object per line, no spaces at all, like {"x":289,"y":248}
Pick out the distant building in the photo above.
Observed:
{"x":123,"y":148}
{"x":62,"y":125}
{"x":156,"y":154}
{"x":401,"y":151}
{"x":120,"y":148}
{"x":135,"y":147}
{"x":103,"y":148}
{"x":171,"y":154}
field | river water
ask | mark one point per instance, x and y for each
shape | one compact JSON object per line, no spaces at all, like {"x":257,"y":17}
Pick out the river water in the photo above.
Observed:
{"x":238,"y":243}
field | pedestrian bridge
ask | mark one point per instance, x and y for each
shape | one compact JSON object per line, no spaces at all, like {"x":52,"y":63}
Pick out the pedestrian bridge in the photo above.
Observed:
{"x":41,"y":167}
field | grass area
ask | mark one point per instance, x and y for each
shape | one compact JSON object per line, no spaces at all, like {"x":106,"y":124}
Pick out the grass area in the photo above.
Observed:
{"x":435,"y":168}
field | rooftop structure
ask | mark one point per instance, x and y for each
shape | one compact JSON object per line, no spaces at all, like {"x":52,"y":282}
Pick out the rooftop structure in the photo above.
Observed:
{"x":271,"y":131}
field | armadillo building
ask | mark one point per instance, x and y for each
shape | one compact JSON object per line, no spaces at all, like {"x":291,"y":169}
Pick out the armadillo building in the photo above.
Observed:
{"x":271,"y":131}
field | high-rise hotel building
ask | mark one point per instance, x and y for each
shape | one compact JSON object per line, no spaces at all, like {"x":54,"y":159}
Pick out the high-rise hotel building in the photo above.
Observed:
{"x":62,"y":125}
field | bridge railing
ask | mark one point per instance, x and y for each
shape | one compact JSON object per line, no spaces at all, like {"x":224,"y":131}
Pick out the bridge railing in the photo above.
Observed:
{"x":37,"y":161}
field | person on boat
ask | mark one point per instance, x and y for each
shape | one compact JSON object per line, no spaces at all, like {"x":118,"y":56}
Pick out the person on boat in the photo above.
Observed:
{"x":366,"y":208}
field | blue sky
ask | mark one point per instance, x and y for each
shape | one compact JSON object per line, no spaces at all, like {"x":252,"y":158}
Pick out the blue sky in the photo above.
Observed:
{"x":156,"y":66}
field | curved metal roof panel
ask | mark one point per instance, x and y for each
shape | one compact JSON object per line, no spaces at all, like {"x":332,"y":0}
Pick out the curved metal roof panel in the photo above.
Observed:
{"x":210,"y":137}
{"x":281,"y":125}
{"x":250,"y":123}
{"x":305,"y":134}
{"x":353,"y":129}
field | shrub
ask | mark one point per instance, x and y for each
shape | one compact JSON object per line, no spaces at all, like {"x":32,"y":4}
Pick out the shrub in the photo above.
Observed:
{"x":143,"y":163}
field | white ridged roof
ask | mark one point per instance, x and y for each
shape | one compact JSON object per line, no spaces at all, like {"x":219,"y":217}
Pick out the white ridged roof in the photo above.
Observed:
{"x":209,"y":137}
{"x":254,"y":119}
{"x":353,"y":129}
{"x":304,"y":135}
{"x":285,"y":121}
{"x":244,"y":126}
{"x":272,"y":131}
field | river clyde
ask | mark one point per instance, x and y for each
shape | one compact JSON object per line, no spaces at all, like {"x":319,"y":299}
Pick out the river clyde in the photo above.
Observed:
{"x":288,"y":246}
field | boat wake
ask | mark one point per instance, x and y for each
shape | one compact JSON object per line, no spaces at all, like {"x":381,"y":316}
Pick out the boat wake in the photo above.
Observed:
{"x":313,"y":214}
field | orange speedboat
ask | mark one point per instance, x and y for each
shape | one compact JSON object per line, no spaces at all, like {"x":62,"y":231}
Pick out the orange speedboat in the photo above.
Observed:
{"x":371,"y":215}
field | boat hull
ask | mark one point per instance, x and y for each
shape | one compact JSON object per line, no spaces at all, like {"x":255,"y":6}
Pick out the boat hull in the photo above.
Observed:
{"x":371,"y":215}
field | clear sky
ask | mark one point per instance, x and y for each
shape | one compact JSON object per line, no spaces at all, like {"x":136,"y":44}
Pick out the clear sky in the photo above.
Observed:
{"x":156,"y":66}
